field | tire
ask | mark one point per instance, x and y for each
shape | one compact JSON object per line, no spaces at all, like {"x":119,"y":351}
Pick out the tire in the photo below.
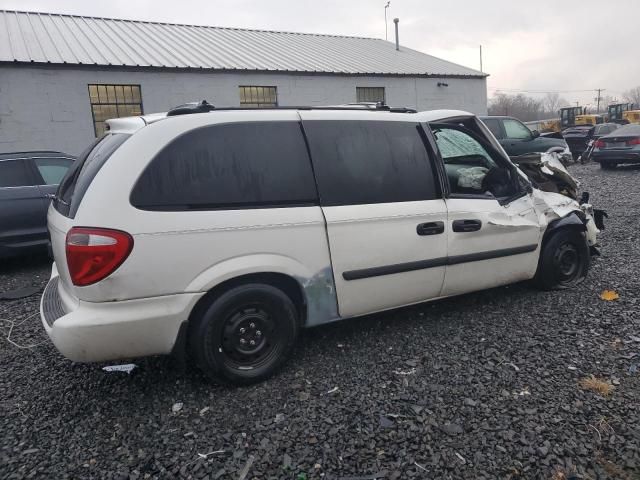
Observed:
{"x":564,"y":260}
{"x":221,"y":334}
{"x":608,"y":166}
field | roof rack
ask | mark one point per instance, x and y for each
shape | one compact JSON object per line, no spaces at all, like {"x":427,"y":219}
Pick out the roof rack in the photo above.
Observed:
{"x":193,"y":107}
{"x":204,"y":106}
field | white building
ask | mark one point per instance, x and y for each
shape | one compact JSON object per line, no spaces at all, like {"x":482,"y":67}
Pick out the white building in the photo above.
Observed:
{"x":61,"y":76}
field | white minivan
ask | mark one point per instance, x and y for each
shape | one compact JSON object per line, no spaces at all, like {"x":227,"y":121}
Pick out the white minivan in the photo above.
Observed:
{"x":219,"y":233}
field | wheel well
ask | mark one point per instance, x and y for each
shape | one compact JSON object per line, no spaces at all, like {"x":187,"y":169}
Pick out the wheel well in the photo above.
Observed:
{"x":287,"y":284}
{"x":573,"y":221}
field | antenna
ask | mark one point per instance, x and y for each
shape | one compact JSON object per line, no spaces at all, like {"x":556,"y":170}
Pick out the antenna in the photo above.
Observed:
{"x":385,"y":19}
{"x":481,"y":58}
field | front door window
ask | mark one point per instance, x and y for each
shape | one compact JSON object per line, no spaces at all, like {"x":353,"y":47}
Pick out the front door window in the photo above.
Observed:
{"x":516,"y":130}
{"x":471,"y":169}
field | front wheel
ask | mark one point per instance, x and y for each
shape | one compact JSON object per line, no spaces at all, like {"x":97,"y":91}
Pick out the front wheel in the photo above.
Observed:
{"x":245,"y":334}
{"x":608,"y":166}
{"x":564,"y":260}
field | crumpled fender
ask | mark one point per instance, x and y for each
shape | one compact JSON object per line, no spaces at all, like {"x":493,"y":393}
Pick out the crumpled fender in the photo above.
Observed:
{"x":558,"y":211}
{"x":573,"y":221}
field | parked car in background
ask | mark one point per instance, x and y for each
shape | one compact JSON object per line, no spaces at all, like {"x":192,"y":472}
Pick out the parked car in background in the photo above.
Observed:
{"x":578,"y":137}
{"x":516,"y":138}
{"x":26,"y":181}
{"x":620,"y":146}
{"x":230,"y":230}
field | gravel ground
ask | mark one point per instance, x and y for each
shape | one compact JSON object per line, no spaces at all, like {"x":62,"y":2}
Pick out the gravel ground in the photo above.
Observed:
{"x":481,"y":386}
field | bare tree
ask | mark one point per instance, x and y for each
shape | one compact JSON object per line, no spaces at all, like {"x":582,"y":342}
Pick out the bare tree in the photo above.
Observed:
{"x":633,"y":96}
{"x":519,"y":106}
{"x":551,"y":102}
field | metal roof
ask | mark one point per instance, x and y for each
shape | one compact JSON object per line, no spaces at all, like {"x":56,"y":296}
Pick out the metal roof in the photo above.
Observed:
{"x":31,"y":37}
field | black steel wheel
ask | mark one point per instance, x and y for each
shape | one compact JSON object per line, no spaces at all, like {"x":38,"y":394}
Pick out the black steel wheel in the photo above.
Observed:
{"x":564,"y":260}
{"x":250,"y":335}
{"x":245,"y":334}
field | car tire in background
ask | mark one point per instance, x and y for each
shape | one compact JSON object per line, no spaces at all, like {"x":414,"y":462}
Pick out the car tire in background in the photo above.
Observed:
{"x":564,"y":260}
{"x":244,"y":335}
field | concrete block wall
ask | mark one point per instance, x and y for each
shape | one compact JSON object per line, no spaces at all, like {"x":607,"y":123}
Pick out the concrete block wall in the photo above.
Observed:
{"x":49,"y":108}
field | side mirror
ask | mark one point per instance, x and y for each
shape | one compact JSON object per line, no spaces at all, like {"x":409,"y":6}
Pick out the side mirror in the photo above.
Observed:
{"x":535,"y":134}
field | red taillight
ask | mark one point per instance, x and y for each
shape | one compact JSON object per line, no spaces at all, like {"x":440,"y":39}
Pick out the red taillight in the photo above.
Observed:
{"x":635,"y":141}
{"x":599,"y":144}
{"x":94,"y":253}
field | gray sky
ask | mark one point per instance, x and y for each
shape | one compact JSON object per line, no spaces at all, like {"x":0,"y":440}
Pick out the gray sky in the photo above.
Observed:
{"x":541,"y":45}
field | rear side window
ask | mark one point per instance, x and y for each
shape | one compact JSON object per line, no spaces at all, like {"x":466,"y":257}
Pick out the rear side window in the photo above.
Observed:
{"x":362,"y":162}
{"x":52,"y":170}
{"x":236,"y":165}
{"x":14,"y":173}
{"x":78,"y":178}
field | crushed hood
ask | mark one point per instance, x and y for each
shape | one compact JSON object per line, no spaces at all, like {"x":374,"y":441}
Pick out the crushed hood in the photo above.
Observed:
{"x":547,"y":173}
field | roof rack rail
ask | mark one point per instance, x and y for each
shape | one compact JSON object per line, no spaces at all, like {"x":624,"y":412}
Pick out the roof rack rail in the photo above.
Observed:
{"x":204,"y":106}
{"x":193,"y":107}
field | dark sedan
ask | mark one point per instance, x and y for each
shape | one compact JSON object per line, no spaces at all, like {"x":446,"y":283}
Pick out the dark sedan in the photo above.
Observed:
{"x":26,"y":181}
{"x":578,"y":137}
{"x":620,"y":146}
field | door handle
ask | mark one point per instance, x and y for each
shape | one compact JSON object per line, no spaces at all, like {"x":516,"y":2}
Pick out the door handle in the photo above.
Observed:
{"x":471,"y":225}
{"x":430,"y":228}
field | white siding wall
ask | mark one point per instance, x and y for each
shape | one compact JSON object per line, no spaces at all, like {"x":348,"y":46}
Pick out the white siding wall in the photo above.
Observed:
{"x":48,"y":108}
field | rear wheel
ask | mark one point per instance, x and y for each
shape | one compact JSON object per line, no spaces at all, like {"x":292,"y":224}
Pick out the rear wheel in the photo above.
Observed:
{"x":608,"y":165}
{"x":564,"y":260}
{"x":245,"y":334}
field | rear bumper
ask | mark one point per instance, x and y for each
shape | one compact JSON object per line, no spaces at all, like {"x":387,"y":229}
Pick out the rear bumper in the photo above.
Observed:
{"x":616,"y":156}
{"x":578,"y":145}
{"x":94,"y":332}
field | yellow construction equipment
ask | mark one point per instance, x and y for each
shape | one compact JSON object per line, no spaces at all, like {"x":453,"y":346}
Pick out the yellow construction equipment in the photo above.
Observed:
{"x":631,"y":116}
{"x":591,"y":119}
{"x":616,"y":111}
{"x":568,"y":116}
{"x":544,"y":126}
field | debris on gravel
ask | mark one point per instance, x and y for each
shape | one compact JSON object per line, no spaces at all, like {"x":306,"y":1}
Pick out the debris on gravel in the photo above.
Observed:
{"x":482,"y":386}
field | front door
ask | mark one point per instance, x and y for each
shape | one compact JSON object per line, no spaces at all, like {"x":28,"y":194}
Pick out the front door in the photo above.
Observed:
{"x":384,"y":212}
{"x":493,"y":231}
{"x":518,"y":139}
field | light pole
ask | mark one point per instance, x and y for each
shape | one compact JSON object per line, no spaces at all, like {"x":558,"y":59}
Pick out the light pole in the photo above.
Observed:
{"x":385,"y":19}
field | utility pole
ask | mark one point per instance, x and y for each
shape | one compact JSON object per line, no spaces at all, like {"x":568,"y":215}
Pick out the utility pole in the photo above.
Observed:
{"x":385,"y":19}
{"x":481,"y":58}
{"x":599,"y":97}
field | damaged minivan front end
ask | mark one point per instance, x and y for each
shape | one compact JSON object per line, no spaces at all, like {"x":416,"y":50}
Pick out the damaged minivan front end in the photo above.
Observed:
{"x":555,"y":195}
{"x":554,"y":192}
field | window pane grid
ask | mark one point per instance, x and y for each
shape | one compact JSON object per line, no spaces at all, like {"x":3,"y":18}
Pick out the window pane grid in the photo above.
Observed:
{"x":370,"y":94}
{"x":113,"y":101}
{"x":258,"y":97}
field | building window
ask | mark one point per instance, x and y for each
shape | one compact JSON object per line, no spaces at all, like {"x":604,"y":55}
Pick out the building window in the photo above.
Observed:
{"x":113,"y":101}
{"x":370,"y":94}
{"x":258,"y":97}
